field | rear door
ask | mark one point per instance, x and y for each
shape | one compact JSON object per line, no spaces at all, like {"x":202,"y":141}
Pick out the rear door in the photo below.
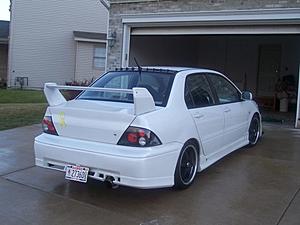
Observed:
{"x":235,"y":110}
{"x":208,"y":117}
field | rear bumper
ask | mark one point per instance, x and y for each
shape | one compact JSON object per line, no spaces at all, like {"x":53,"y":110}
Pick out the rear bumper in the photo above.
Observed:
{"x":136,"y":167}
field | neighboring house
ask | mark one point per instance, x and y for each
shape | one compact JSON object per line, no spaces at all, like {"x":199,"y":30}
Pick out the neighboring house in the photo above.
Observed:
{"x":4,"y":33}
{"x":56,"y":41}
{"x":253,"y":42}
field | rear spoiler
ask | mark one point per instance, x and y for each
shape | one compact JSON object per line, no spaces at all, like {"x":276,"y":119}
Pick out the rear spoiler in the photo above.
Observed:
{"x":143,"y":100}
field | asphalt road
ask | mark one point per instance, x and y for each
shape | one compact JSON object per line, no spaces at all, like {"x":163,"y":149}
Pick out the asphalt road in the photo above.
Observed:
{"x":257,"y":186}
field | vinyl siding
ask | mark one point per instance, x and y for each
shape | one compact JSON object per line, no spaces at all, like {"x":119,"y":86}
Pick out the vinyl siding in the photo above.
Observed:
{"x":84,"y":62}
{"x":42,"y":42}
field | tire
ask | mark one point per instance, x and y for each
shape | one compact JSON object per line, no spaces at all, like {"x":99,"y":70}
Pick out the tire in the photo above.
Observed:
{"x":254,"y":131}
{"x":187,"y":166}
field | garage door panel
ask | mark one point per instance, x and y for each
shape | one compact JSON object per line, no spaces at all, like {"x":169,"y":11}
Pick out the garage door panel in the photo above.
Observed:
{"x":194,"y":30}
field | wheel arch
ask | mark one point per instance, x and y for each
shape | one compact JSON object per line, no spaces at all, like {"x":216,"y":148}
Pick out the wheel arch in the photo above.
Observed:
{"x":196,"y":142}
{"x":260,"y":121}
{"x":178,"y":180}
{"x":200,"y":151}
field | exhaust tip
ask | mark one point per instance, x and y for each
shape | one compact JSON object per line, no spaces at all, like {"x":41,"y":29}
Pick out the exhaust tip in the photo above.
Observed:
{"x":109,"y":180}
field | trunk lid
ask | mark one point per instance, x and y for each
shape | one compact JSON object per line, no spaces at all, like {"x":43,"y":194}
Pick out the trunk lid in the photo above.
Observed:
{"x":92,"y":120}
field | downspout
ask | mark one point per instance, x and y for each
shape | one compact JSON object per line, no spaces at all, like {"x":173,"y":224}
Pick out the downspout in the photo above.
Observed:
{"x":10,"y":35}
{"x":76,"y":53}
{"x":106,"y":4}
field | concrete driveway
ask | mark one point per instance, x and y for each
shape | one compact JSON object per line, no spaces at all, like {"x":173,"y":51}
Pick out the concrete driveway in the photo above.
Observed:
{"x":251,"y":186}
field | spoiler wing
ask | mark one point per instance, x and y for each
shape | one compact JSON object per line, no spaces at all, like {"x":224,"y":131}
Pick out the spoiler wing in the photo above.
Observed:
{"x":142,"y":99}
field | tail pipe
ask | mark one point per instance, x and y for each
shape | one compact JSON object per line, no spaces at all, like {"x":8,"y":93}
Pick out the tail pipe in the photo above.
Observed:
{"x":109,"y":180}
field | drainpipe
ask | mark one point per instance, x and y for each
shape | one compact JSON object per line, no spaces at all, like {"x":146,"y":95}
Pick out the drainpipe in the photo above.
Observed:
{"x":106,"y":4}
{"x":10,"y":44}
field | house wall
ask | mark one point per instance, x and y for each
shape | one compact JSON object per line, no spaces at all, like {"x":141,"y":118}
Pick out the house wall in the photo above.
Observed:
{"x":42,"y":42}
{"x":85,"y":69}
{"x":119,"y":9}
{"x":3,"y":61}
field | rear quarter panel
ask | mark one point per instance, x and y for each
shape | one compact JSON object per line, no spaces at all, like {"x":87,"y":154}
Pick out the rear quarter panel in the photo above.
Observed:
{"x":172,"y":123}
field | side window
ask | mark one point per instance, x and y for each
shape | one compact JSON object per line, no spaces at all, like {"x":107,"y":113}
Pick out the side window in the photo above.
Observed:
{"x":198,"y":92}
{"x":99,"y":56}
{"x":226,"y":92}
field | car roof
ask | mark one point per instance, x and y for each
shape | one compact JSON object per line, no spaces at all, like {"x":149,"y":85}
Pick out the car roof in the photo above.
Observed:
{"x":170,"y":69}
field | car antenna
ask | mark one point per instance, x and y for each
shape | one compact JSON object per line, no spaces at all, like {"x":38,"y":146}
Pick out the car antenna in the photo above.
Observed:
{"x":139,"y":68}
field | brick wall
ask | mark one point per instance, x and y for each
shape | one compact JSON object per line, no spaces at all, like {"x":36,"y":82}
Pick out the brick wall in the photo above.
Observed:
{"x":121,"y":8}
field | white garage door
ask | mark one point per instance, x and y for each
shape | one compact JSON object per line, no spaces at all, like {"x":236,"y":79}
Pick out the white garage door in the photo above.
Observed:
{"x":215,"y":30}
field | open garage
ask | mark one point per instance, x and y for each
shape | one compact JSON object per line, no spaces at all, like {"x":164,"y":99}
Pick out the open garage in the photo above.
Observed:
{"x":267,"y":65}
{"x":258,"y":50}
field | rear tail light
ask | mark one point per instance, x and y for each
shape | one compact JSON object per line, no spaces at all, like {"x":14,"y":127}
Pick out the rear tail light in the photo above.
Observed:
{"x":139,"y":137}
{"x":48,"y":126}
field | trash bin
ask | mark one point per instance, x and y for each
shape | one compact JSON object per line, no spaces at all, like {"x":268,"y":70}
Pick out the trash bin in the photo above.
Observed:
{"x":284,"y":105}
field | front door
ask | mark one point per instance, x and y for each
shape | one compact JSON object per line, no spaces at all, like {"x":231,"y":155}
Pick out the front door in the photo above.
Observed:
{"x":208,"y":117}
{"x":234,"y":108}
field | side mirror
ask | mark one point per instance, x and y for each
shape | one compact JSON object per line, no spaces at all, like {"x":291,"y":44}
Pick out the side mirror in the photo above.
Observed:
{"x":247,"y":95}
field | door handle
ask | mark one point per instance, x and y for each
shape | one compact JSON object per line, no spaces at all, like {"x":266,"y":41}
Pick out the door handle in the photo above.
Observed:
{"x":227,"y":110}
{"x":198,"y":115}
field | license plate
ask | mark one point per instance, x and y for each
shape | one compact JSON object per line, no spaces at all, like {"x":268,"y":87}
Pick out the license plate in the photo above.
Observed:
{"x":77,"y":173}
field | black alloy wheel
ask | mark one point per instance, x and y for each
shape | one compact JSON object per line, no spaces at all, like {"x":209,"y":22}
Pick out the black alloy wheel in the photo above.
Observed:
{"x":187,"y":166}
{"x":254,"y":130}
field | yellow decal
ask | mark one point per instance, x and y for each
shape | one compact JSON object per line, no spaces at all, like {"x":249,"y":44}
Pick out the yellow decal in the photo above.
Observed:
{"x":61,"y":117}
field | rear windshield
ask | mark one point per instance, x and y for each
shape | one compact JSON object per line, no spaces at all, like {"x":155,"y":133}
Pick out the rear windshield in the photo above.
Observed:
{"x":157,"y":83}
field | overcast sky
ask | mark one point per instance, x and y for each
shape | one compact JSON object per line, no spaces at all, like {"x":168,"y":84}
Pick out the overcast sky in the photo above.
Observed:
{"x":4,"y":9}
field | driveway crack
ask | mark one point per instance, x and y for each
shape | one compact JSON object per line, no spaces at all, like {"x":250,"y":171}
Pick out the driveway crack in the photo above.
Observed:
{"x":15,"y":171}
{"x":288,"y":206}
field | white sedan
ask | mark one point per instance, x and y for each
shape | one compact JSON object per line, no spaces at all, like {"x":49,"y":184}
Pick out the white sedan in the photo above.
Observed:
{"x":146,"y":127}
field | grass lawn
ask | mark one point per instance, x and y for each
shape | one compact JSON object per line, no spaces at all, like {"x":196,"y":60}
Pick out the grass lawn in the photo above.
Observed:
{"x":21,"y":107}
{"x":21,"y":96}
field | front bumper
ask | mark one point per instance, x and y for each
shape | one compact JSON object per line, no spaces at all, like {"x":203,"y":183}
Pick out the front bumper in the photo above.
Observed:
{"x":130,"y":166}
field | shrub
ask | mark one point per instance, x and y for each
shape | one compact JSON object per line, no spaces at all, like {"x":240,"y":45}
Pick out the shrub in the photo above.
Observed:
{"x":71,"y":94}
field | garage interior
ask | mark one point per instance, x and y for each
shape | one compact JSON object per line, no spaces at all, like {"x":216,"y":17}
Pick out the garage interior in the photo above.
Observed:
{"x":266,"y":65}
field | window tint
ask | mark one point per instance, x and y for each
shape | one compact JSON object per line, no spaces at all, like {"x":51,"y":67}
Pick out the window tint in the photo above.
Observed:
{"x":226,"y":92}
{"x":157,"y":83}
{"x":198,"y":92}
